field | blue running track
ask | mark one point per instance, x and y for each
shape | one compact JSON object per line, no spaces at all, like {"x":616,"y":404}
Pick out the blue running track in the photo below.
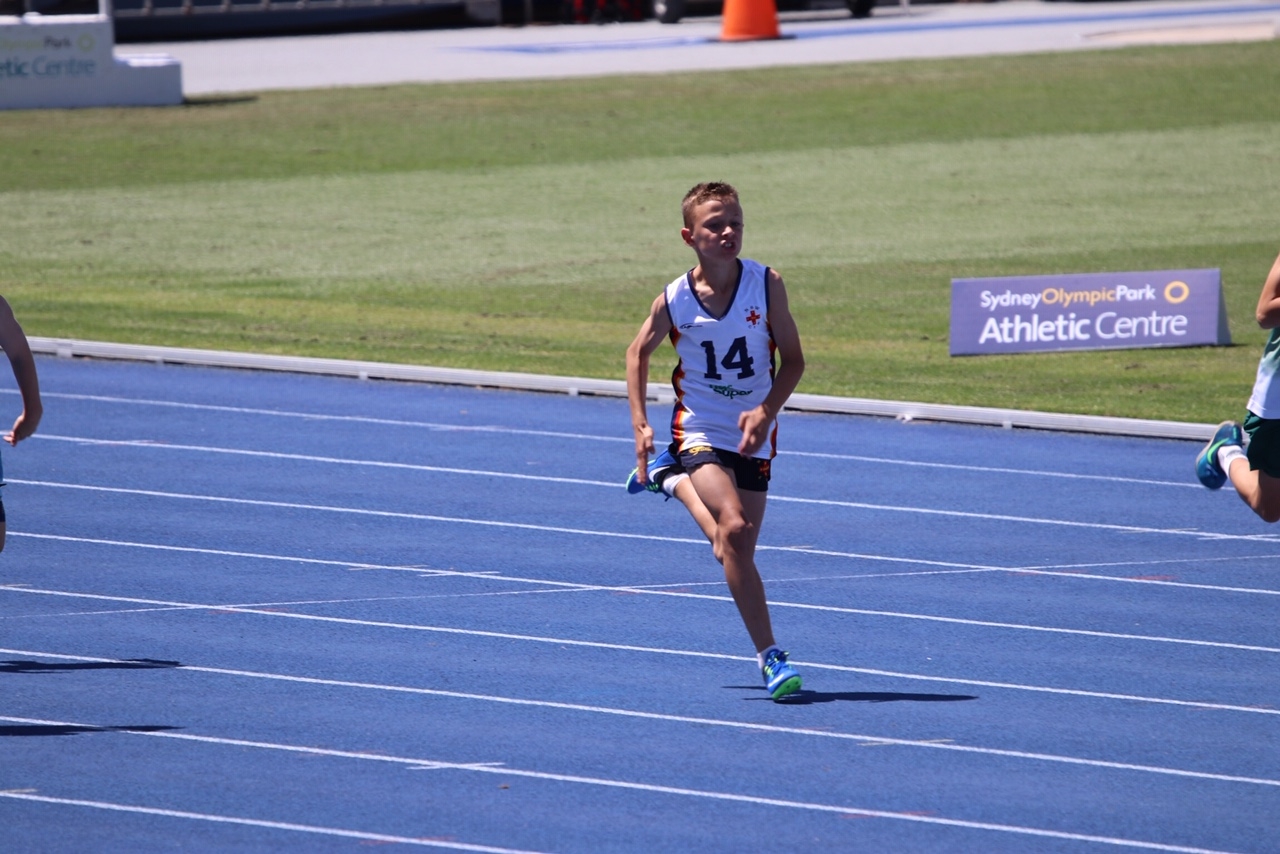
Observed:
{"x":245,"y":611}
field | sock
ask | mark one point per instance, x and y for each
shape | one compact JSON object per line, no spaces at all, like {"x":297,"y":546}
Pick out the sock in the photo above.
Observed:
{"x":760,"y":656}
{"x":669,"y":483}
{"x":1228,"y":454}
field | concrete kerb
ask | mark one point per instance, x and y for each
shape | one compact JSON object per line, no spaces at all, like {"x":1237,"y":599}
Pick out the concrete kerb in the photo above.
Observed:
{"x":65,"y":348}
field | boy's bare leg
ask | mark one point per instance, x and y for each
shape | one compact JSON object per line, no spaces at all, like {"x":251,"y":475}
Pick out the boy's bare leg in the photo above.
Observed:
{"x":738,"y":515}
{"x":1256,"y":488}
{"x":688,"y":496}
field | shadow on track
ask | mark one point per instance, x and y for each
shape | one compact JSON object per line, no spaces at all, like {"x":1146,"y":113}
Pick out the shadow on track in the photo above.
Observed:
{"x":808,"y":698}
{"x":43,"y":667}
{"x":73,"y":729}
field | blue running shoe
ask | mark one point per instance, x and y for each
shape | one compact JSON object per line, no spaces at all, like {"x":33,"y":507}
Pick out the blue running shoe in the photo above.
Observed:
{"x":780,"y":678}
{"x":1207,"y":467}
{"x":654,"y":474}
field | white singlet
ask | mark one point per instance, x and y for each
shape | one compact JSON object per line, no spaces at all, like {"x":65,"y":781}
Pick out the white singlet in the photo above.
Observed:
{"x":726,"y":363}
{"x":1265,"y":400}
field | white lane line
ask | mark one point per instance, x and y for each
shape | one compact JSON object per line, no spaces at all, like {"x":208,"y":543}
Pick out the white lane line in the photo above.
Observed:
{"x":986,"y":517}
{"x":253,"y":822}
{"x":1058,"y":570}
{"x":524,"y":526}
{"x":497,"y":767}
{"x":782,"y":603}
{"x":293,"y":603}
{"x":345,"y":564}
{"x":1024,"y":627}
{"x":459,"y":428}
{"x":577,"y":436}
{"x":749,"y":799}
{"x":659,"y":590}
{"x":207,"y":449}
{"x":390,"y":514}
{"x":320,"y":416}
{"x":1153,"y":582}
{"x":382,"y":624}
{"x":991,"y":469}
{"x":1032,"y":520}
{"x":106,"y":612}
{"x":501,"y":769}
{"x":1072,"y":571}
{"x":312,"y":458}
{"x":1156,"y":562}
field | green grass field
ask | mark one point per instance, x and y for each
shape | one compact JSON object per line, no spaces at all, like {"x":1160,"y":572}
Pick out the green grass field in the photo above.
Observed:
{"x":527,"y":226}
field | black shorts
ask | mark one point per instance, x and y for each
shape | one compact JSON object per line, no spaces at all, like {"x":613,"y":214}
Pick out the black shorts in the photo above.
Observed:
{"x":749,"y":473}
{"x":1264,"y":443}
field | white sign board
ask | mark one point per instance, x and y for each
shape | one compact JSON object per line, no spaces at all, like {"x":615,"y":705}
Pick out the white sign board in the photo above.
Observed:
{"x":69,"y":61}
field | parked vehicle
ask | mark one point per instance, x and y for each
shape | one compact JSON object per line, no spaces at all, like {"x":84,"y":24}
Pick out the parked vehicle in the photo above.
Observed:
{"x":671,"y":11}
{"x":172,"y":20}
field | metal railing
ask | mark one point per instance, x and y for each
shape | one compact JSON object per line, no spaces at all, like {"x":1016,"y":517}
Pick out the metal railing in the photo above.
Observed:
{"x":156,"y":8}
{"x":50,"y":7}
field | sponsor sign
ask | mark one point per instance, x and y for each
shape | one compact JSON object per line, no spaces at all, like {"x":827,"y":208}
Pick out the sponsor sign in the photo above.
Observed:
{"x":69,"y":61}
{"x":60,"y":51}
{"x":1092,"y":311}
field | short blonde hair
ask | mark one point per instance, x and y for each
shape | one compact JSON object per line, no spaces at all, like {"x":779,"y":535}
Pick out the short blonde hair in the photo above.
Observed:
{"x":703,"y":192}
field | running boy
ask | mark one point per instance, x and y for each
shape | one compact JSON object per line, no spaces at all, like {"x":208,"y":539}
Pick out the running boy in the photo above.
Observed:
{"x":1256,"y":473}
{"x":14,"y":343}
{"x":726,"y":318}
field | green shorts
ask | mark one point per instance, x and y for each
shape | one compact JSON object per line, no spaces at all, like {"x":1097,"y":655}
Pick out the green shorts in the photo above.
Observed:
{"x":1264,"y":444}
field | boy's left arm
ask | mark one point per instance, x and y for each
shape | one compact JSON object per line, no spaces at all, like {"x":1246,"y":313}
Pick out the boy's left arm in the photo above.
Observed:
{"x":755,"y":423}
{"x":652,"y":332}
{"x":1268,"y":313}
{"x":14,"y":342}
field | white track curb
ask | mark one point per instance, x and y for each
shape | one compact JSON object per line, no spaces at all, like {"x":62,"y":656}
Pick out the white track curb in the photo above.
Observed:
{"x":66,"y":348}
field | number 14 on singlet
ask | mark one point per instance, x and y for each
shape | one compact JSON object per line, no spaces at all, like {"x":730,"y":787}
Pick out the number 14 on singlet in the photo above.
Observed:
{"x":737,"y":359}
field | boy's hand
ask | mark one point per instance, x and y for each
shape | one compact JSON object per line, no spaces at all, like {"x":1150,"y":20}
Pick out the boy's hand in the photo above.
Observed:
{"x":644,"y":449}
{"x":22,"y":428}
{"x":754,"y":424}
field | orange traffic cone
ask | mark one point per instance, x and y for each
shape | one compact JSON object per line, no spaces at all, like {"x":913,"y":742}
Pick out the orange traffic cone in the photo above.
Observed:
{"x":748,"y":20}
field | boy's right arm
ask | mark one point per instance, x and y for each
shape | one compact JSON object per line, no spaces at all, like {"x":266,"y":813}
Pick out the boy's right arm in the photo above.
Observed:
{"x":655,"y":328}
{"x":1268,"y":314}
{"x":14,"y":342}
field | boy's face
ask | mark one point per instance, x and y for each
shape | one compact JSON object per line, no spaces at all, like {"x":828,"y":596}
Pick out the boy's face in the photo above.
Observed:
{"x":716,"y":232}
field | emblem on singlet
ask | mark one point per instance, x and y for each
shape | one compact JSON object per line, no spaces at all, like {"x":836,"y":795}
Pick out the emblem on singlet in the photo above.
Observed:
{"x":729,"y":391}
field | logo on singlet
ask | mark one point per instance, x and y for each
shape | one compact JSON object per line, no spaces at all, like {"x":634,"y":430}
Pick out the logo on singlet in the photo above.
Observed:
{"x":729,"y":391}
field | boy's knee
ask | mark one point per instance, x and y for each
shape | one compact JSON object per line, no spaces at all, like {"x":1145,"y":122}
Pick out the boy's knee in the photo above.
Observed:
{"x":735,"y":530}
{"x":1270,"y":515}
{"x":1266,"y":501}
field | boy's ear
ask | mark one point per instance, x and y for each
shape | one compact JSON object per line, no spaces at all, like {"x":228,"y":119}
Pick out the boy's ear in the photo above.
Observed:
{"x":687,"y":235}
